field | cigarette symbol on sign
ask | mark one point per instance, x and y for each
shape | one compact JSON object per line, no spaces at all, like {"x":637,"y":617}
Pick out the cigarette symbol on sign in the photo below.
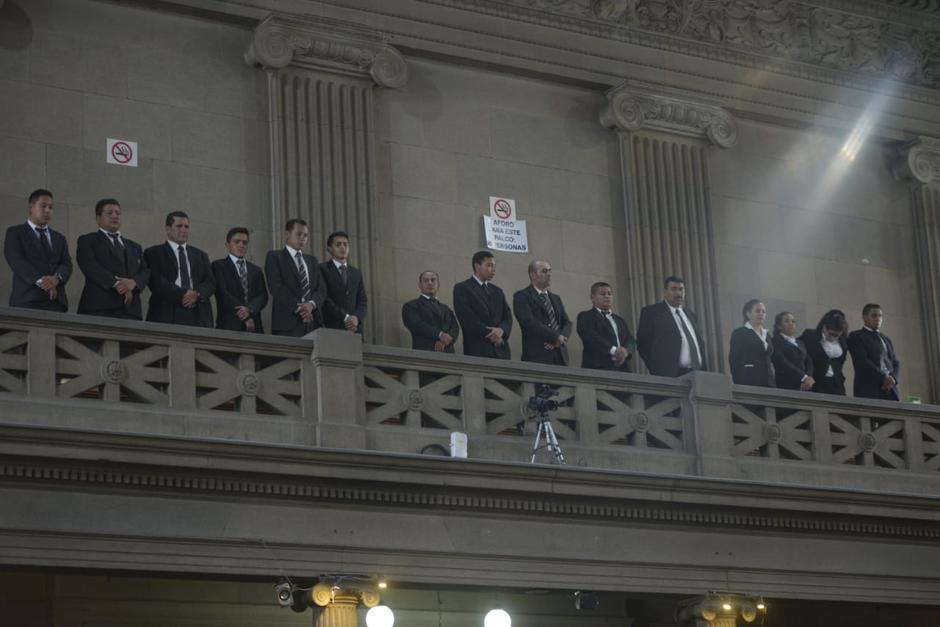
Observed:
{"x":502,"y":209}
{"x":122,"y":152}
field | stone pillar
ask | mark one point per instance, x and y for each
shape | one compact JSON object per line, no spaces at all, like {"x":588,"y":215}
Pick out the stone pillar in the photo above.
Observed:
{"x":918,"y":162}
{"x":337,"y":362}
{"x":321,"y":78}
{"x":713,"y":610}
{"x":664,"y":142}
{"x":338,"y":607}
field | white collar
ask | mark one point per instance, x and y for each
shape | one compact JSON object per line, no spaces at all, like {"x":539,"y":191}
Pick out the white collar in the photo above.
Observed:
{"x":762,"y":333}
{"x":235,"y":259}
{"x":36,"y":227}
{"x":540,"y":292}
{"x":338,"y":264}
{"x":602,"y":312}
{"x":176,"y":246}
{"x":109,"y":233}
{"x":477,"y":279}
{"x":293,"y":253}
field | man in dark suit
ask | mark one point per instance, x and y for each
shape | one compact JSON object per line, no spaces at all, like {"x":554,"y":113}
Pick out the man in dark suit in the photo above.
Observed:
{"x":876,"y":364}
{"x":39,"y":258}
{"x":668,"y":337}
{"x":481,"y":309}
{"x":295,"y":284}
{"x":432,"y":324}
{"x":345,"y":304}
{"x":240,"y":290}
{"x":545,"y":325}
{"x":113,"y":265}
{"x":608,"y":343}
{"x":181,"y":283}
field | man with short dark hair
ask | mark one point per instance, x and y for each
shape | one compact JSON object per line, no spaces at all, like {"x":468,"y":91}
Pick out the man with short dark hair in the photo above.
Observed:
{"x":345,"y":304}
{"x":240,"y":290}
{"x":432,"y":324}
{"x":113,"y":265}
{"x":667,"y":336}
{"x":481,"y":309}
{"x":294,"y":280}
{"x":39,"y":258}
{"x":545,"y":324}
{"x":876,"y":364}
{"x":608,"y":343}
{"x":181,"y":282}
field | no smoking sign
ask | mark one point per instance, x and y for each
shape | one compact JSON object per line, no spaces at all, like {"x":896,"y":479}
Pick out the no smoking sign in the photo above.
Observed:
{"x":122,"y":152}
{"x":502,"y":208}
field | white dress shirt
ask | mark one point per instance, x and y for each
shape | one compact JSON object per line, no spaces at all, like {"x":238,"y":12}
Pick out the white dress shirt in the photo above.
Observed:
{"x":685,"y":352}
{"x":176,"y":257}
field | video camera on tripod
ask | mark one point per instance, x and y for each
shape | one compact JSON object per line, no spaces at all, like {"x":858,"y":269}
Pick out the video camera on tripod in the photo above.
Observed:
{"x":539,"y":402}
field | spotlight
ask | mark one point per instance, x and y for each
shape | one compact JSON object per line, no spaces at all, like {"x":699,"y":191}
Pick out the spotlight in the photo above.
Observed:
{"x":497,"y":618}
{"x":380,"y":616}
{"x":382,"y":584}
{"x":726,"y":606}
{"x":761,"y":605}
{"x":584,"y":600}
{"x":283,"y":594}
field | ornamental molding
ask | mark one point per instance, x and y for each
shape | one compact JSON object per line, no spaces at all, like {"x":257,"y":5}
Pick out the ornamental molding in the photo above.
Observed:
{"x":859,"y":42}
{"x":327,"y":45}
{"x":636,"y":106}
{"x":918,"y":160}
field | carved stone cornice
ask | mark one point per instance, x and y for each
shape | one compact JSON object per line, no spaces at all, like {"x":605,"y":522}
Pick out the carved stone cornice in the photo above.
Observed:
{"x":636,"y":106}
{"x":918,"y":160}
{"x":326,"y":44}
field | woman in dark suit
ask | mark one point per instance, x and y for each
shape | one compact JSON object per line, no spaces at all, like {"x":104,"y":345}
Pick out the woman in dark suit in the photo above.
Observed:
{"x":793,"y":369}
{"x":751,"y":348}
{"x":826,"y":346}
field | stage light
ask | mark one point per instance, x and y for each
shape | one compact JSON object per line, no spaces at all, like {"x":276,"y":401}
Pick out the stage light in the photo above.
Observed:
{"x":497,"y":618}
{"x":761,"y":605}
{"x":283,"y":594}
{"x":382,"y":584}
{"x":726,"y":606}
{"x":380,"y":616}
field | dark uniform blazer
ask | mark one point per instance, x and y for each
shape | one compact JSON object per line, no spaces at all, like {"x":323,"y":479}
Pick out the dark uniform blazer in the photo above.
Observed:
{"x":866,"y":350}
{"x":342,"y":299}
{"x":284,"y":283}
{"x":426,"y":321}
{"x":598,"y":337}
{"x":530,"y":311}
{"x":812,"y":340}
{"x":102,"y":262}
{"x":477,"y":310}
{"x":30,"y":262}
{"x":751,"y":362}
{"x":659,"y":340}
{"x":166,"y":297}
{"x":229,"y":294}
{"x":791,"y":363}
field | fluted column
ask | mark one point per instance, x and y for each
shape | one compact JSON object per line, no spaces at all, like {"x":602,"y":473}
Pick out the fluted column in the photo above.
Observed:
{"x":337,"y":607}
{"x":664,"y":142}
{"x":918,"y":162}
{"x":321,"y":78}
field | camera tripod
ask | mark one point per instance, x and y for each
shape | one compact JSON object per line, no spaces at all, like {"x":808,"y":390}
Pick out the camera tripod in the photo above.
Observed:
{"x":551,"y":442}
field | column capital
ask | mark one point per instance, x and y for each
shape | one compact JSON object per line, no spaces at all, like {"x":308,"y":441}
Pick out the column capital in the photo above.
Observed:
{"x":918,"y":160}
{"x":634,"y":106}
{"x":326,"y":44}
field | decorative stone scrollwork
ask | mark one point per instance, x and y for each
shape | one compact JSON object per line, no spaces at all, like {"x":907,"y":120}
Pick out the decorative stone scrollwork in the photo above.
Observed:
{"x":641,"y":422}
{"x":278,"y":41}
{"x":113,"y":371}
{"x":773,"y":433}
{"x":636,"y":106}
{"x":248,"y":383}
{"x":867,"y":442}
{"x":918,"y":160}
{"x":414,"y":399}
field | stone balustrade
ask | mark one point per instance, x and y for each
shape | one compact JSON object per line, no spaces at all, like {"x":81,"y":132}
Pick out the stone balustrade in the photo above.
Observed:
{"x":329,"y":390}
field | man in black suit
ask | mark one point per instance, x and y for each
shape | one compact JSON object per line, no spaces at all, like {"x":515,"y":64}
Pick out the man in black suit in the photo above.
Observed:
{"x":39,"y":258}
{"x":432,"y":324}
{"x":545,"y":324}
{"x":608,"y":343}
{"x":876,"y":364}
{"x":668,"y":337}
{"x":345,"y":304}
{"x":181,"y":283}
{"x":240,"y":290}
{"x":113,"y":265}
{"x":481,"y":309}
{"x":295,"y":284}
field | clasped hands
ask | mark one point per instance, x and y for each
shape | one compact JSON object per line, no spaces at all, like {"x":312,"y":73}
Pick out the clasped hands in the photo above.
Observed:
{"x":444,"y":340}
{"x":560,"y":341}
{"x":50,"y":285}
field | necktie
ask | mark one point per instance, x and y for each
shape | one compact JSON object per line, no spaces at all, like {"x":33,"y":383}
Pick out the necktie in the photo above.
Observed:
{"x":343,"y":275}
{"x":693,"y":347}
{"x":613,"y":325}
{"x":304,"y":279}
{"x":243,"y":277}
{"x":116,"y":240}
{"x":44,"y":240}
{"x":185,"y":281}
{"x":547,"y":303}
{"x":885,"y":361}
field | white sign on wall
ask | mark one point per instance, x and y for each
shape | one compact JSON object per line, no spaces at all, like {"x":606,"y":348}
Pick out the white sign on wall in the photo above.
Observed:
{"x":503,"y":231}
{"x":122,"y":152}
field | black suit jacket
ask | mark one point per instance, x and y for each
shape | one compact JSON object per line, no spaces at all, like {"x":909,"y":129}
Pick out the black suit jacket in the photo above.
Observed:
{"x":284,"y":283}
{"x":342,"y":299}
{"x":791,"y":363}
{"x":750,"y":360}
{"x":426,"y":322}
{"x":659,"y":341}
{"x":30,"y":262}
{"x":598,"y":337}
{"x":102,"y":262}
{"x":866,"y":350}
{"x":229,"y":294}
{"x":812,"y":340}
{"x":166,"y":297}
{"x":533,"y":319}
{"x":477,"y":310}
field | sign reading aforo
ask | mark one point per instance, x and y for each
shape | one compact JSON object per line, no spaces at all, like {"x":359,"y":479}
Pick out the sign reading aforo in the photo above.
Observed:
{"x":503,"y":231}
{"x":122,"y":152}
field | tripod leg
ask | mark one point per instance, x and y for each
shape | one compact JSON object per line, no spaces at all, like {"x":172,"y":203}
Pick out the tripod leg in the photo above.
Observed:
{"x":558,"y":457}
{"x":535,"y":449}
